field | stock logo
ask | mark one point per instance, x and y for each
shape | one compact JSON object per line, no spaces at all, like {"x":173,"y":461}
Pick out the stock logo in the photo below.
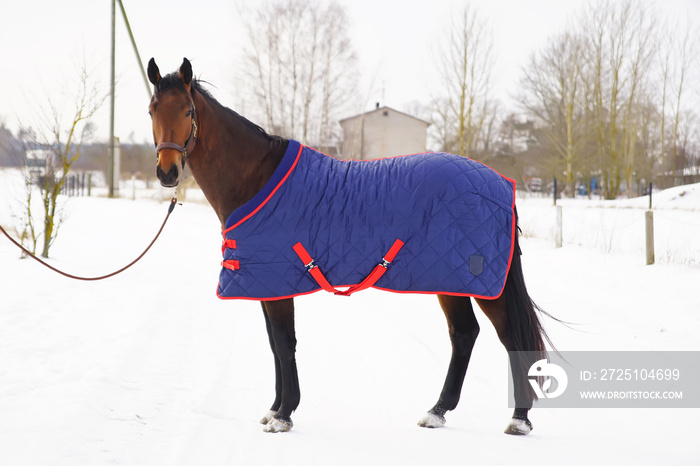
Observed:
{"x":549,"y":371}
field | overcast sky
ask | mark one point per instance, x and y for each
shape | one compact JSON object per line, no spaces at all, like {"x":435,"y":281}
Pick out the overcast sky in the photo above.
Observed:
{"x":43,"y":41}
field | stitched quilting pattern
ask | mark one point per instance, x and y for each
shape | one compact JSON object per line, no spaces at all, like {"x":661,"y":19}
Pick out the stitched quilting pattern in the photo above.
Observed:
{"x":454,"y":215}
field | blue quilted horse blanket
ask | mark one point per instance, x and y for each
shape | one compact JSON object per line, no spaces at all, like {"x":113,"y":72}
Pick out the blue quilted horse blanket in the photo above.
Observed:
{"x":423,"y":223}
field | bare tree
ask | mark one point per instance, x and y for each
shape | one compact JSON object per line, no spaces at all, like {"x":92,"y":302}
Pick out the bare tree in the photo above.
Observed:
{"x":643,"y":48}
{"x":552,"y":93}
{"x":64,"y":136}
{"x":684,"y":48}
{"x":601,"y":111}
{"x":649,"y":139}
{"x":466,"y":65}
{"x":300,"y":68}
{"x":620,"y":45}
{"x":340,"y":74}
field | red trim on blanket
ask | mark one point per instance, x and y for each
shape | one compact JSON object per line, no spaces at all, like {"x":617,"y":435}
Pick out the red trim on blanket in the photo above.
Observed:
{"x":510,"y":262}
{"x":279,"y":185}
{"x":247,"y":298}
{"x":447,"y":293}
{"x":514,"y":226}
{"x":279,"y":298}
{"x":513,"y":232}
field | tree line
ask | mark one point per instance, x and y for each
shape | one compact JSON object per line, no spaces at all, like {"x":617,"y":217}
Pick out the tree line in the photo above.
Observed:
{"x":609,"y":102}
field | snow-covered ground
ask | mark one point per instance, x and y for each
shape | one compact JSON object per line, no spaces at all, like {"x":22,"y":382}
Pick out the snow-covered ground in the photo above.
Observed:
{"x":150,"y":368}
{"x":619,"y":226}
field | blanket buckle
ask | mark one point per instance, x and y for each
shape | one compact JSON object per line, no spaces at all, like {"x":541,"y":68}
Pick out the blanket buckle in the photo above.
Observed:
{"x":311,"y":265}
{"x":369,"y":281}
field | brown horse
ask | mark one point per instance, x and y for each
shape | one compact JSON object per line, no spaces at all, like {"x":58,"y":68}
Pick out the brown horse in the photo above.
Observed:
{"x":232,"y":159}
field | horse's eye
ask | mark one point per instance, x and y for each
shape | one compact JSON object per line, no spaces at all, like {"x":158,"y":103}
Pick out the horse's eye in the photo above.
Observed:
{"x":188,"y":114}
{"x":150,"y":114}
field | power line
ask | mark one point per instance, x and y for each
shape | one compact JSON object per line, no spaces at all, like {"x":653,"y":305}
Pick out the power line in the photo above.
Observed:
{"x":136,"y":50}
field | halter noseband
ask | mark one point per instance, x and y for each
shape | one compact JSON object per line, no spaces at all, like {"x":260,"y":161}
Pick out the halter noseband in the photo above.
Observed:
{"x":189,"y":145}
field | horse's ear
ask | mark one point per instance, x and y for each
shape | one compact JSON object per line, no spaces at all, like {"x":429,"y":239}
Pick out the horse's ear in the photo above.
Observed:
{"x":186,"y":71}
{"x":153,"y":72}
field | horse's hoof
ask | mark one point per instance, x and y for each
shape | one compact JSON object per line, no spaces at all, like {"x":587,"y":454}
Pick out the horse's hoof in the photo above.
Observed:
{"x":278,"y":425}
{"x":432,"y":420}
{"x":518,"y":427}
{"x":266,"y":418}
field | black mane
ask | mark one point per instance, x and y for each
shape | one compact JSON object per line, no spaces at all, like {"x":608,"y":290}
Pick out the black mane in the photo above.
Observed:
{"x":173,"y":80}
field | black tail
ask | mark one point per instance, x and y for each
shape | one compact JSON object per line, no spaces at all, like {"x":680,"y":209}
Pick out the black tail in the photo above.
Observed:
{"x":525,"y":331}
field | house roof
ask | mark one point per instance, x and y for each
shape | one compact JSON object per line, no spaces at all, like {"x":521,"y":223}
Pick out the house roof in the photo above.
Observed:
{"x":379,"y":109}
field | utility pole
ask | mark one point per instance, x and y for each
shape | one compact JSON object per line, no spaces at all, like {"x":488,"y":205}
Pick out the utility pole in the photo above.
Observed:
{"x":113,"y":164}
{"x":110,"y":167}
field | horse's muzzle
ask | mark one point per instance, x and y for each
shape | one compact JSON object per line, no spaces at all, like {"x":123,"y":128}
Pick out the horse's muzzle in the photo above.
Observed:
{"x":169,"y":179}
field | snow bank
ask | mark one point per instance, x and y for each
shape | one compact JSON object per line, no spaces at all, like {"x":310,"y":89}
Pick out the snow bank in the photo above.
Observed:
{"x":619,"y":226}
{"x":150,"y":368}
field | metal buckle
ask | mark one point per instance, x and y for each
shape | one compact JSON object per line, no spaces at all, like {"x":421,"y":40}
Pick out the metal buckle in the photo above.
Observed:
{"x":311,"y":265}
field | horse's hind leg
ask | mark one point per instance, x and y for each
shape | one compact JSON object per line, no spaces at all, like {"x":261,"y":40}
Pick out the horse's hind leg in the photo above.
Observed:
{"x":496,"y":311}
{"x":463,"y":329}
{"x":279,"y":318}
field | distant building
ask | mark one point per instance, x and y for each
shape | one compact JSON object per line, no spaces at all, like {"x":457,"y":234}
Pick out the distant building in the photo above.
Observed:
{"x":382,"y":132}
{"x":38,"y":160}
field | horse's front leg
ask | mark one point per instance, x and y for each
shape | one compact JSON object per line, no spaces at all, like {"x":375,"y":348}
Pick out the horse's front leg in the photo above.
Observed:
{"x":464,"y":329}
{"x":279,"y":319}
{"x":278,"y":376}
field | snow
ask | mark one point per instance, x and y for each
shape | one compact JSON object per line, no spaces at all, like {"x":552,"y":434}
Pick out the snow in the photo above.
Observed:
{"x":151,"y":368}
{"x":619,"y":226}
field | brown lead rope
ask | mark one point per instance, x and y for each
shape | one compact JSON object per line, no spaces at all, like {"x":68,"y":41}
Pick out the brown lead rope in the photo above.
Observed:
{"x":170,"y":210}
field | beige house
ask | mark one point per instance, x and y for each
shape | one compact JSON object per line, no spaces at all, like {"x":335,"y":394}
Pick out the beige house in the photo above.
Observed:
{"x":382,"y":132}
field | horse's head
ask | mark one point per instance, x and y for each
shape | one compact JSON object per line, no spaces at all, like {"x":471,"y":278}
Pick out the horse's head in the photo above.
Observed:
{"x":173,"y":115}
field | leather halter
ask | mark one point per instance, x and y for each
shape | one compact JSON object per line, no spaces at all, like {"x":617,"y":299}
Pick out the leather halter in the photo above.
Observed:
{"x":189,"y":145}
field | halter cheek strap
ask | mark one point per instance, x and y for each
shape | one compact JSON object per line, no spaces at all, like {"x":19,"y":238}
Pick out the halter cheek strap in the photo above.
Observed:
{"x":189,"y":145}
